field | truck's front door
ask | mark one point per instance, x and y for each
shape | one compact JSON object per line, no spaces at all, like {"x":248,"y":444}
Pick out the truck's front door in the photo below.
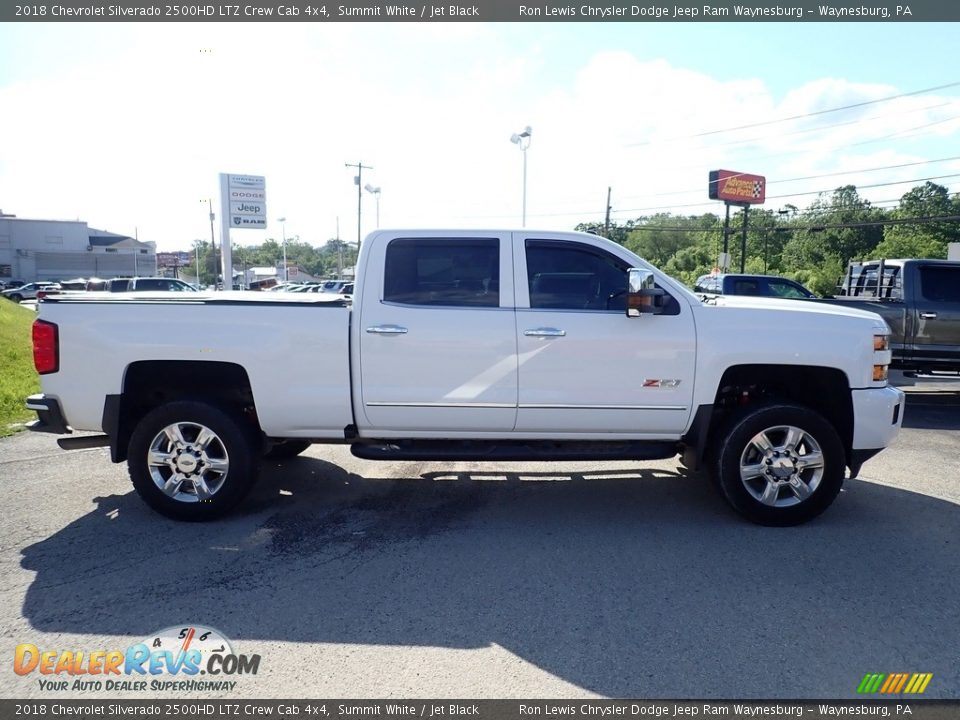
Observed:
{"x":437,"y":336}
{"x":936,"y":300}
{"x":584,"y":367}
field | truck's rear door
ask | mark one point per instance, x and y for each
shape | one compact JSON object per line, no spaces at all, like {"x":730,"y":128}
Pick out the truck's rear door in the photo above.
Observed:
{"x":437,"y":348}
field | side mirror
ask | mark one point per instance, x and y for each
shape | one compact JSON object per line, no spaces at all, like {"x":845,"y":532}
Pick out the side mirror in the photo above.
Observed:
{"x":642,"y":293}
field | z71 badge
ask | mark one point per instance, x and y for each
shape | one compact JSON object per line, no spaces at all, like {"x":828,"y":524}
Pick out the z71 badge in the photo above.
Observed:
{"x":658,"y":383}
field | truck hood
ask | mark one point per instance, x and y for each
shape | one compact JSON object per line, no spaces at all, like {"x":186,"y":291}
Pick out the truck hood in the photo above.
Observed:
{"x":791,"y":306}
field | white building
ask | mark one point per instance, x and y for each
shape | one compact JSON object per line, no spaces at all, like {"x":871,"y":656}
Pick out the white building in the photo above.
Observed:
{"x":32,"y":250}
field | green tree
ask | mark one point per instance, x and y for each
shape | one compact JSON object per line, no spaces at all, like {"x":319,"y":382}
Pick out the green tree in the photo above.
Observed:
{"x":658,"y":238}
{"x":617,"y":233}
{"x":834,"y":230}
{"x":926,"y":239}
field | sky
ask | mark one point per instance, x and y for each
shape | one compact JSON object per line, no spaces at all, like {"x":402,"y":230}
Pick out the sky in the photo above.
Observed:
{"x":127,"y":125}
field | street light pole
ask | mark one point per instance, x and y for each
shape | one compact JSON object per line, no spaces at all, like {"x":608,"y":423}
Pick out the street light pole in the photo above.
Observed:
{"x":522,"y":140}
{"x":357,"y":179}
{"x":283,"y":225}
{"x":213,"y":246}
{"x":374,"y":191}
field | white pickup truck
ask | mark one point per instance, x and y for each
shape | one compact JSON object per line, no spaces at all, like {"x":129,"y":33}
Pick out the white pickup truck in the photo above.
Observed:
{"x":472,"y":346}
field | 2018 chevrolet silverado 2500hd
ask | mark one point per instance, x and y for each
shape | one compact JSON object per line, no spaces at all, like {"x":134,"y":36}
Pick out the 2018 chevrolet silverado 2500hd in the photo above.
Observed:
{"x":472,"y":345}
{"x":919,"y":299}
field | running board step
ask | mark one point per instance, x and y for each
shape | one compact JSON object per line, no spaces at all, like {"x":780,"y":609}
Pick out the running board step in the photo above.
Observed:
{"x":514,"y":450}
{"x":82,"y":443}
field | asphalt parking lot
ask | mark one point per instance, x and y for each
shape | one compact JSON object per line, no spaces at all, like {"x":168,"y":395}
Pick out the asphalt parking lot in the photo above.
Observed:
{"x":360,"y":579}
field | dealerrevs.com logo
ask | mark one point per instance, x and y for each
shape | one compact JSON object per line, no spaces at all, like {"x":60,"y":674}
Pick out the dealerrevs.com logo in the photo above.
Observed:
{"x":173,"y":659}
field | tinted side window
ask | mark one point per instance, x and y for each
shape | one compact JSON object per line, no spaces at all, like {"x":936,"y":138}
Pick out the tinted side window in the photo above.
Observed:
{"x":746,"y":287}
{"x":706,"y":284}
{"x":940,"y":284}
{"x":153,"y":285}
{"x":779,"y":288}
{"x":458,"y":272}
{"x":568,"y":277}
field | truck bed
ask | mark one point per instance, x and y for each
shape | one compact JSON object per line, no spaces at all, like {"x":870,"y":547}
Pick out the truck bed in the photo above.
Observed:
{"x":297,"y":360}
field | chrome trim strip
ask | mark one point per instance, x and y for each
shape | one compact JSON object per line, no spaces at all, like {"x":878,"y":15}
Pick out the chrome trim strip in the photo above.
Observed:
{"x":600,"y":407}
{"x":440,"y":405}
{"x":376,"y":403}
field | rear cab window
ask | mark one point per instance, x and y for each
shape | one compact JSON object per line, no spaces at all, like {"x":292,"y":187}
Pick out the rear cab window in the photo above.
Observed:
{"x":446,"y":272}
{"x":940,"y":284}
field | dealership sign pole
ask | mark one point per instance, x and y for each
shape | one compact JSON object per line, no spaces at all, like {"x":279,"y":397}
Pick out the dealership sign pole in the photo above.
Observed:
{"x":742,"y":190}
{"x":243,"y":206}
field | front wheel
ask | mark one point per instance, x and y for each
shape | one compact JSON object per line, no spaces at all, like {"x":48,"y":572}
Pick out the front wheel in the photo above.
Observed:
{"x":16,"y":298}
{"x":780,"y":464}
{"x":191,"y":460}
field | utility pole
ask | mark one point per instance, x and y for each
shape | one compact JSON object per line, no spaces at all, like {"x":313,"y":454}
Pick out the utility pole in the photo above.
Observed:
{"x":213,"y":245}
{"x":358,"y":180}
{"x":606,"y":224}
{"x":339,"y":252}
{"x":743,"y":239}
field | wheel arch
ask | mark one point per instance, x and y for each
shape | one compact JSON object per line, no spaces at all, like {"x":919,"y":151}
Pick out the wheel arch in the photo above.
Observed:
{"x":151,"y":383}
{"x":825,"y":390}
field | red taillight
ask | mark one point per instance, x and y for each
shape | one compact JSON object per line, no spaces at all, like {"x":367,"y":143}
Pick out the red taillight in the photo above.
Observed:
{"x":46,"y":347}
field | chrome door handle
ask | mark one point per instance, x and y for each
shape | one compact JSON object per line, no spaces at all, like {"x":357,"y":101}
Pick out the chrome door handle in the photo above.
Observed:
{"x":387,"y":330}
{"x":545,"y":332}
{"x":928,"y":316}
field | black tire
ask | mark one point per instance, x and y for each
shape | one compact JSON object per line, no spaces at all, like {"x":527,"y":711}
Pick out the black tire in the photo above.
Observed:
{"x":287,"y":449}
{"x":231,"y":447}
{"x":778,"y":487}
{"x":16,"y":298}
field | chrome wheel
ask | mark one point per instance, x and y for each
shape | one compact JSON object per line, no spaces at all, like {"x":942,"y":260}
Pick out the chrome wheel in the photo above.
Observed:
{"x":188,"y":462}
{"x":781,"y":466}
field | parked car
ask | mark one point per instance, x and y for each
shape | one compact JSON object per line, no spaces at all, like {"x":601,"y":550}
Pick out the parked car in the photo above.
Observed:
{"x":149,"y":284}
{"x":96,"y":284}
{"x":11,"y":284}
{"x":334,"y":286}
{"x":762,"y":285}
{"x":28,"y":291}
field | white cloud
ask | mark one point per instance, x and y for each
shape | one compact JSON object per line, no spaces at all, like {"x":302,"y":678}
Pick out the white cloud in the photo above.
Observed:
{"x":135,"y":138}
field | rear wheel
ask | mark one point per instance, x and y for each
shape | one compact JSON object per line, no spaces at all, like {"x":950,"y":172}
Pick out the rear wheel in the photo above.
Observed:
{"x":191,"y":460}
{"x":286,"y":449}
{"x":16,"y":298}
{"x":780,"y":464}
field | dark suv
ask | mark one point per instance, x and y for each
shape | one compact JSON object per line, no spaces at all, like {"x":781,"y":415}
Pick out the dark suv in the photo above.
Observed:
{"x":762,"y":285}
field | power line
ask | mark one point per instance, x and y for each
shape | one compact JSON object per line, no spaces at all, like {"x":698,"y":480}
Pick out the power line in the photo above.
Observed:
{"x":808,"y":177}
{"x":816,"y":227}
{"x":864,"y":170}
{"x":804,"y":115}
{"x":819,"y":128}
{"x":712,"y":203}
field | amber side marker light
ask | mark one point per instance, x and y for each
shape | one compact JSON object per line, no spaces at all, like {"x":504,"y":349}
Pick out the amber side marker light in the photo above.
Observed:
{"x":881,"y":342}
{"x":879,"y":373}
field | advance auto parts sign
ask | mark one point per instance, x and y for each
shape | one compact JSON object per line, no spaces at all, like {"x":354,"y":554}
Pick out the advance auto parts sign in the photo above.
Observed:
{"x":737,"y":187}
